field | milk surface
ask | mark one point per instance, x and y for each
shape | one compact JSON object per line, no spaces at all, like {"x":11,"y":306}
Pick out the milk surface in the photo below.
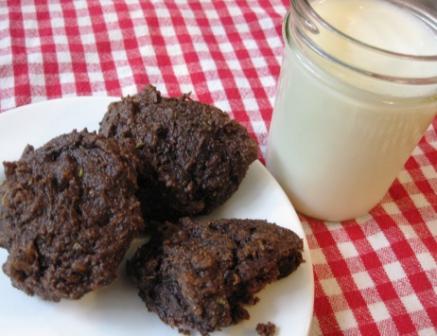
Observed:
{"x":338,"y":139}
{"x":378,"y":23}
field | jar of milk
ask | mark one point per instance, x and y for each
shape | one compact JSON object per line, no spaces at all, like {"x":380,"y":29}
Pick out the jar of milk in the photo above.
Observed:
{"x":357,"y":90}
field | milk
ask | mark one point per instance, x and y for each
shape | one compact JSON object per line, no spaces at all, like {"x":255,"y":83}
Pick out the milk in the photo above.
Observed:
{"x":338,"y":139}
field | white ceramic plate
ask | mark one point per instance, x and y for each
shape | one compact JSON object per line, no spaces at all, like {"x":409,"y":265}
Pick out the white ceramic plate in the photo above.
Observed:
{"x":117,"y":310}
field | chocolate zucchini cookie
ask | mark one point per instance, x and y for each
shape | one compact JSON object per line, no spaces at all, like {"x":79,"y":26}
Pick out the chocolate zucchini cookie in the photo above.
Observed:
{"x":198,"y":276}
{"x":68,"y":212}
{"x":192,"y":155}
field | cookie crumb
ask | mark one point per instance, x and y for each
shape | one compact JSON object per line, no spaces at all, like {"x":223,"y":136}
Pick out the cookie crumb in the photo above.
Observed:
{"x":266,"y":329}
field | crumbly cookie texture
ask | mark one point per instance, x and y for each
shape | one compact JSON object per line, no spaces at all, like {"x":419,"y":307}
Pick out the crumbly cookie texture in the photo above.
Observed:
{"x":198,"y":276}
{"x":192,"y":155}
{"x":68,"y":213}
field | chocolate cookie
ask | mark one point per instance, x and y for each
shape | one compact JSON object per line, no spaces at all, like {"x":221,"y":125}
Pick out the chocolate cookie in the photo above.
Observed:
{"x":68,"y":212}
{"x":192,"y":155}
{"x":197,"y":276}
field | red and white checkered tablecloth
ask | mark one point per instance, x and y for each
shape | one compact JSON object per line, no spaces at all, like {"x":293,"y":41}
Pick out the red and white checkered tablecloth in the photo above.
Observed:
{"x":373,"y":275}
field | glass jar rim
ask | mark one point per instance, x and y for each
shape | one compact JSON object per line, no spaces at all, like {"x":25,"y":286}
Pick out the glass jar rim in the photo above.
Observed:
{"x":304,"y":10}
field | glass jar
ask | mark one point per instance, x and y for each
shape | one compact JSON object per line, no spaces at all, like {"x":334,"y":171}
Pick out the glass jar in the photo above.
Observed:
{"x":353,"y":101}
